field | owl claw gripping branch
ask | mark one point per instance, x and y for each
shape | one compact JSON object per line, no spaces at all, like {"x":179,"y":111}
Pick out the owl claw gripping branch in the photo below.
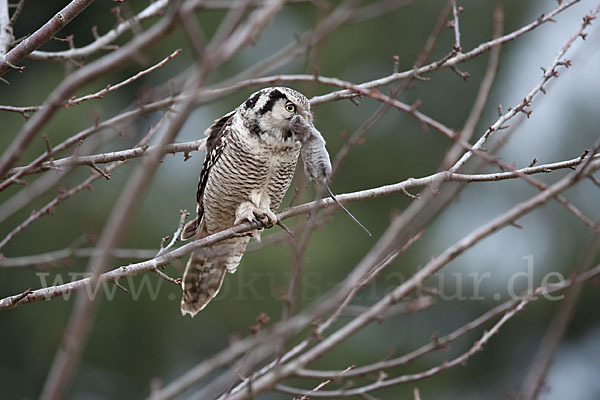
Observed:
{"x":251,"y":155}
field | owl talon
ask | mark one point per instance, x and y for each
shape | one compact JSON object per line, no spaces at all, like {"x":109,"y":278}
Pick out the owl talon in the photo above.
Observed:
{"x":266,"y":217}
{"x":248,"y":212}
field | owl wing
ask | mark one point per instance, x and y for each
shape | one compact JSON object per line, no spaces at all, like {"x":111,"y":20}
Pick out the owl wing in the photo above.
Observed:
{"x":215,"y":143}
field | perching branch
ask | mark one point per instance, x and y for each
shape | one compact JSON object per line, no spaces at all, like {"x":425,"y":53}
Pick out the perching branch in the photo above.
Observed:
{"x":411,"y":183}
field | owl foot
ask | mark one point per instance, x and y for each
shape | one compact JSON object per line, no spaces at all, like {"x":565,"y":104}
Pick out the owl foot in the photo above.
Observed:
{"x":267,"y":217}
{"x":248,"y":212}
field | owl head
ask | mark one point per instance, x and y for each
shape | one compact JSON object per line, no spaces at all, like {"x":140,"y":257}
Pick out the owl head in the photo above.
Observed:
{"x":268,"y":112}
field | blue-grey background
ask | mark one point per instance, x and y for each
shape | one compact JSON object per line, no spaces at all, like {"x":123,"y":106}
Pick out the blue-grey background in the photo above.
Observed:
{"x":140,"y":337}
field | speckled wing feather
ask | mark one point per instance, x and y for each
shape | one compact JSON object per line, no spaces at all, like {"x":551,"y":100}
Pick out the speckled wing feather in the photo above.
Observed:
{"x":216,"y":133}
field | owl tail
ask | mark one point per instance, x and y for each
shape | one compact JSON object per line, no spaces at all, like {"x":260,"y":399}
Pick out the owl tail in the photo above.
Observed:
{"x":205,"y":272}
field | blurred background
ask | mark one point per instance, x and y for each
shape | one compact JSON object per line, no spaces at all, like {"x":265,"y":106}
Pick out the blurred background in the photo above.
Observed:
{"x":140,"y":338}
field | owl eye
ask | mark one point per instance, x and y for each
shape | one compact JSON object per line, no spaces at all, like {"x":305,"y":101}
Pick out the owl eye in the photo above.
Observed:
{"x":290,"y":107}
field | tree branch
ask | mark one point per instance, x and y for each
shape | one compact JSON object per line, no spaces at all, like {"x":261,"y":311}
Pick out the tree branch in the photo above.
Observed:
{"x":41,"y":36}
{"x":135,"y":152}
{"x":549,"y":73}
{"x":510,"y":308}
{"x":154,"y":9}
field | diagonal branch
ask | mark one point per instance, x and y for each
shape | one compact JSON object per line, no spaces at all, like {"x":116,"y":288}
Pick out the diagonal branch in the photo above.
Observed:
{"x":447,"y":62}
{"x":154,"y":9}
{"x":510,"y":309}
{"x":41,"y":36}
{"x":289,"y":369}
{"x":534,"y":381}
{"x":81,"y":77}
{"x":80,"y":323}
{"x":134,"y":269}
{"x":548,"y":74}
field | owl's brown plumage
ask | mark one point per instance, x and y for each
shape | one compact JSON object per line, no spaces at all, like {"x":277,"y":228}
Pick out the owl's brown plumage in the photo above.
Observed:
{"x":251,"y":156}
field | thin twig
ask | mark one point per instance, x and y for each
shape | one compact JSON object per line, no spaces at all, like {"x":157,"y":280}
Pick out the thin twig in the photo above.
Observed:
{"x":182,"y":217}
{"x":112,"y":88}
{"x":455,"y":11}
{"x":483,"y":94}
{"x":324,"y":383}
{"x":156,"y":8}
